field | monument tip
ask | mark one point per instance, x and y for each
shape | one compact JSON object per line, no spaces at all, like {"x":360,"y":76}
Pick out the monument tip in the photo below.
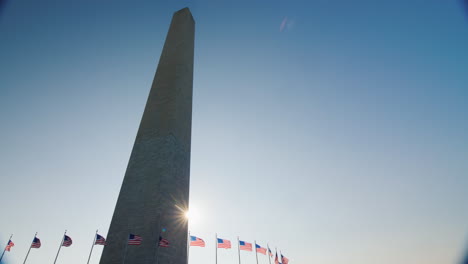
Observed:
{"x":184,"y":11}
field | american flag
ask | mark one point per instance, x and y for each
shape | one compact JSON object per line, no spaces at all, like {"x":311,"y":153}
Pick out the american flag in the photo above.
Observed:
{"x":9,"y":245}
{"x":36,"y":243}
{"x":224,"y":243}
{"x":271,"y":253}
{"x":67,"y":241}
{"x":134,"y":240}
{"x":260,"y":249}
{"x":163,"y":242}
{"x":100,"y":240}
{"x":196,"y":241}
{"x":284,"y":259}
{"x":245,"y":246}
{"x":276,"y":258}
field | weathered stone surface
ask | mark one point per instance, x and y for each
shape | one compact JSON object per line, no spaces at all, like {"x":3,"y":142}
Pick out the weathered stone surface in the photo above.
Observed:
{"x":155,"y":190}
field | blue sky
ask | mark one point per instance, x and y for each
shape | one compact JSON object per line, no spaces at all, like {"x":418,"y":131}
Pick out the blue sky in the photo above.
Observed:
{"x":340,"y":137}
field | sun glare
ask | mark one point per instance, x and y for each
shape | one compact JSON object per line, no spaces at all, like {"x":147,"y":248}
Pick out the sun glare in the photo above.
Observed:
{"x":192,"y":215}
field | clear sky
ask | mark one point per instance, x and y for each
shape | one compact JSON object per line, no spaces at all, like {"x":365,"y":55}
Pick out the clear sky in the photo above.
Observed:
{"x":335,"y":131}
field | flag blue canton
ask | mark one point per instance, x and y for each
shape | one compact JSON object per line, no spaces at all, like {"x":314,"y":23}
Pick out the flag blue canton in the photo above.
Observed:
{"x":100,"y":240}
{"x":36,"y":243}
{"x":67,"y":241}
{"x":134,"y":239}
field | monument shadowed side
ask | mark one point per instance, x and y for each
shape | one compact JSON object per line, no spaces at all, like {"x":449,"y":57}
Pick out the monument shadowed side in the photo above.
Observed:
{"x":155,"y":190}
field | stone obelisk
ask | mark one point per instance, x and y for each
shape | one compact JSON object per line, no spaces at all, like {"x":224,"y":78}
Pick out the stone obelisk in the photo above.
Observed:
{"x":155,"y":191}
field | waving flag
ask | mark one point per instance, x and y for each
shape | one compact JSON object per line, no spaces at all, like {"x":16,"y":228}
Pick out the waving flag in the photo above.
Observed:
{"x":224,"y":243}
{"x":269,"y":252}
{"x":196,"y":242}
{"x":245,"y":246}
{"x":36,"y":243}
{"x":276,"y":258}
{"x":67,"y":241}
{"x":134,"y":240}
{"x":260,"y":249}
{"x":163,"y":242}
{"x":284,"y":259}
{"x":9,"y":245}
{"x":100,"y":240}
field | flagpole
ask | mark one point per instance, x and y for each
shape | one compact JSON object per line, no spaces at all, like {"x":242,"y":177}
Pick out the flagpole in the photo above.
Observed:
{"x":188,"y":245}
{"x":6,"y":247}
{"x":269,"y":256}
{"x":238,"y":249}
{"x":276,"y":254}
{"x":126,"y":247}
{"x":61,"y":243}
{"x":27,"y":254}
{"x":256,"y":255}
{"x":157,"y":248}
{"x":94,"y":241}
{"x":157,"y":241}
{"x":216,"y":248}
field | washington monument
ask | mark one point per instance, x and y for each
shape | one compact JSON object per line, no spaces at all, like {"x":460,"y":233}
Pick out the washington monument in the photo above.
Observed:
{"x":155,"y":191}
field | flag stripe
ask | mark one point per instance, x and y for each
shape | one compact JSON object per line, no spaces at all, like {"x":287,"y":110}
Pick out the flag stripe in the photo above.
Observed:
{"x":196,"y":241}
{"x":67,"y":241}
{"x":36,"y":243}
{"x":260,"y":249}
{"x":100,"y":240}
{"x":245,"y":246}
{"x":163,"y":242}
{"x":224,"y":243}
{"x":9,"y":245}
{"x":134,"y":240}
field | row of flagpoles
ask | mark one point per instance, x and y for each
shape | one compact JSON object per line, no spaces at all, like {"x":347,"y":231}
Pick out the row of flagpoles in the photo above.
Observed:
{"x":136,"y":240}
{"x":36,"y":243}
{"x":241,"y":245}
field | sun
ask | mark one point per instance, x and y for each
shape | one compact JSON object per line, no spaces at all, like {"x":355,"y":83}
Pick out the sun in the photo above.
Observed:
{"x":192,"y":215}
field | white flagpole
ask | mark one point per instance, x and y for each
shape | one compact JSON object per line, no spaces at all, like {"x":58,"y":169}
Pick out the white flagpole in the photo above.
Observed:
{"x":256,"y":255}
{"x":238,"y":249}
{"x":27,"y":254}
{"x":5,"y":247}
{"x":216,"y":248}
{"x":94,"y":242}
{"x":61,"y":243}
{"x":188,"y":245}
{"x":269,"y":256}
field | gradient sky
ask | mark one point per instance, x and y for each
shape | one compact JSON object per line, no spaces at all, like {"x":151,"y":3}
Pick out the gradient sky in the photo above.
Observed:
{"x":335,"y":131}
